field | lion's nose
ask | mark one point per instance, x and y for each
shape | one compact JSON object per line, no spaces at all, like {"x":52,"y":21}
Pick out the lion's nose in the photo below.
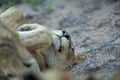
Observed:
{"x":65,"y":34}
{"x":30,"y":77}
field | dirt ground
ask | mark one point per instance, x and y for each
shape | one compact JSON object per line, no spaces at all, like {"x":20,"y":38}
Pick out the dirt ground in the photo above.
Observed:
{"x":94,"y":26}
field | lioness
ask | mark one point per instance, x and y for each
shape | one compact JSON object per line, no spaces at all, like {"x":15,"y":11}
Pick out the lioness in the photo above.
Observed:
{"x":51,"y":48}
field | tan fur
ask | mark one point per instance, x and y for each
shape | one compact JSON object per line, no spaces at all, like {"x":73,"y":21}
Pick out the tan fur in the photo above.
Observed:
{"x":59,"y":54}
{"x":13,"y":56}
{"x":79,"y":58}
{"x":12,"y":17}
{"x":40,"y":59}
{"x":34,"y":36}
{"x":56,"y":74}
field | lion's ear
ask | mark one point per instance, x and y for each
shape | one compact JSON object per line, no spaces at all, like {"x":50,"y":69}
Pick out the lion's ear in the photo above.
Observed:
{"x":79,"y":58}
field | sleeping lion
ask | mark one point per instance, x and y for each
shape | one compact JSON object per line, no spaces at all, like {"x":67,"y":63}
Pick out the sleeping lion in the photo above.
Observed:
{"x":27,"y":50}
{"x":51,"y":48}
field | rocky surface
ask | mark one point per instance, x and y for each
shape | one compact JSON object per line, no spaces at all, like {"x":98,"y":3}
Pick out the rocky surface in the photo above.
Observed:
{"x":94,"y":26}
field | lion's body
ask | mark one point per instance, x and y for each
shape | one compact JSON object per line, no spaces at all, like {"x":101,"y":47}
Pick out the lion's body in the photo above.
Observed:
{"x":47,"y":49}
{"x":13,"y":55}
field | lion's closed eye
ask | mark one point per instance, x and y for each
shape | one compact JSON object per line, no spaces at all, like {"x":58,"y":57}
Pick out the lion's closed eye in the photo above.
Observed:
{"x":27,"y":65}
{"x":27,"y":28}
{"x":7,"y":45}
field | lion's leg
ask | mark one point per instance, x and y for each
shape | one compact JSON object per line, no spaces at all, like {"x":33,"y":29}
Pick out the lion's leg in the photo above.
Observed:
{"x":35,"y":36}
{"x":40,"y":59}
